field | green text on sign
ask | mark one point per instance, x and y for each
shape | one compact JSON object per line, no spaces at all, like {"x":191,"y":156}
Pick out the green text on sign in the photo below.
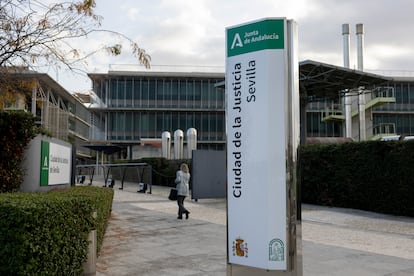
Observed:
{"x":266,"y":34}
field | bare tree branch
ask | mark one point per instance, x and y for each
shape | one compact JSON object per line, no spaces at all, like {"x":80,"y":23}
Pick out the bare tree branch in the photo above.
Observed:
{"x":33,"y":33}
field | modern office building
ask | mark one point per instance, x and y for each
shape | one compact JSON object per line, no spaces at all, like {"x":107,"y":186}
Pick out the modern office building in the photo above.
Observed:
{"x":130,"y":110}
{"x":133,"y":109}
{"x":378,"y":105}
{"x":59,"y":112}
{"x":342,"y":102}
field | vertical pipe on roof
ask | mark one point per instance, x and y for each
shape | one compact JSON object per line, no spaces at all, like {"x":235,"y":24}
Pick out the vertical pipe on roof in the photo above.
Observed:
{"x":360,"y":45}
{"x":346,"y":95}
{"x":346,"y":43}
{"x":361,"y":94}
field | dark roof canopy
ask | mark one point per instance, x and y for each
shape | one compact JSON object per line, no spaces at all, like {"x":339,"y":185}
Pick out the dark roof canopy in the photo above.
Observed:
{"x":321,"y":80}
{"x":107,"y":149}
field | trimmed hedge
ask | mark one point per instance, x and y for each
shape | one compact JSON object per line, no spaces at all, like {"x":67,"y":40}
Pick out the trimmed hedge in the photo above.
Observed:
{"x":102,"y":203}
{"x":375,"y":176}
{"x":17,"y":128}
{"x":46,"y":233}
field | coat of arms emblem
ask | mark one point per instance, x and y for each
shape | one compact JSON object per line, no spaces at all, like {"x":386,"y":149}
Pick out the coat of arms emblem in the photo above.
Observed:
{"x":240,"y":248}
{"x":276,"y":250}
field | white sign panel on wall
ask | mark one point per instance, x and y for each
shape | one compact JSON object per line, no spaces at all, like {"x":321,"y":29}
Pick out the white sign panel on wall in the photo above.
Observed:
{"x":55,"y":164}
{"x":256,"y":87}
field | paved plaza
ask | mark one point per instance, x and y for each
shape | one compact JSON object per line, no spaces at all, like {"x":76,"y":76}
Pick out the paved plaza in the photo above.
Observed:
{"x":144,"y":237}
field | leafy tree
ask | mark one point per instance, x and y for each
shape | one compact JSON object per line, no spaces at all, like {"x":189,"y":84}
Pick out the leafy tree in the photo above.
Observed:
{"x":33,"y":32}
{"x":17,"y":128}
{"x":37,"y":33}
{"x":14,"y":92}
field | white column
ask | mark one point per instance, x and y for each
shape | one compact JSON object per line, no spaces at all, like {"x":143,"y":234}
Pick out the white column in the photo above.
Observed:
{"x":348,"y":115}
{"x":362,"y":127}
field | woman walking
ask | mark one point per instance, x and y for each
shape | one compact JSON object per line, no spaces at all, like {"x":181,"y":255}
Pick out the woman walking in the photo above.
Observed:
{"x":182,"y":179}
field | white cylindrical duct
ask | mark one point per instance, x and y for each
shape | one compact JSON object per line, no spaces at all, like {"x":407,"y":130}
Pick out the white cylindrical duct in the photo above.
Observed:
{"x":191,"y":141}
{"x":348,"y":115}
{"x":361,"y":103}
{"x":166,"y":144}
{"x":360,"y":45}
{"x":346,"y":44}
{"x":178,"y":144}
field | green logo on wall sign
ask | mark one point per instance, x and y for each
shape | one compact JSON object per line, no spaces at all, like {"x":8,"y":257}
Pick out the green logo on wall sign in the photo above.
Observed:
{"x":266,"y":34}
{"x":44,"y":163}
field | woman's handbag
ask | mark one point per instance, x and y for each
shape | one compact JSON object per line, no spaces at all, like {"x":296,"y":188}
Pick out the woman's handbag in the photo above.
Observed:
{"x":173,"y":194}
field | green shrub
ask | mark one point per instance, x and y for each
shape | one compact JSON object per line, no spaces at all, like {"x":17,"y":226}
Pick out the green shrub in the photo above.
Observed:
{"x":46,"y":233}
{"x":102,"y":204}
{"x":17,"y":128}
{"x":375,"y":176}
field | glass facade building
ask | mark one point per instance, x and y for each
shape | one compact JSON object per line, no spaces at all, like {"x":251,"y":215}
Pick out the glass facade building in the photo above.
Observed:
{"x":316,"y":127}
{"x":136,"y":106}
{"x":131,"y":107}
{"x":399,"y":115}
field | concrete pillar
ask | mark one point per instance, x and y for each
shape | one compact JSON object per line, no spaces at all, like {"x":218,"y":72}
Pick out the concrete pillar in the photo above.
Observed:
{"x":362,"y":125}
{"x":348,"y":115}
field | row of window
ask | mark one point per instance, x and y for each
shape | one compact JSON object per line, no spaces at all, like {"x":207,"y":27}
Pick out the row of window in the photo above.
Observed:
{"x":316,"y":128}
{"x":404,"y":123}
{"x":202,"y":94}
{"x":404,"y":98}
{"x":211,"y":126}
{"x":404,"y":93}
{"x":136,"y":125}
{"x":162,"y":93}
{"x":404,"y":102}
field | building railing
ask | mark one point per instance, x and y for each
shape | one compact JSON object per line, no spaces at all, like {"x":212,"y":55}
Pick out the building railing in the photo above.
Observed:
{"x":333,"y":110}
{"x":167,"y":68}
{"x":386,"y":128}
{"x":383,"y":92}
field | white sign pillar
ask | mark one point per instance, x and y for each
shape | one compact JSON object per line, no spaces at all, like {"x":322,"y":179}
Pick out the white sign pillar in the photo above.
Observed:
{"x":262,"y":138}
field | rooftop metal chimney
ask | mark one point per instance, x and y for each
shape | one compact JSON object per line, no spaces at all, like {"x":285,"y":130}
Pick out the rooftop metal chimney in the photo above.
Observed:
{"x":347,"y":97}
{"x":360,"y":45}
{"x":345,"y":35}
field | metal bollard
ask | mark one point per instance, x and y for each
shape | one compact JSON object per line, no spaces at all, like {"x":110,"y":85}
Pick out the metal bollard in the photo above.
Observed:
{"x":89,"y":267}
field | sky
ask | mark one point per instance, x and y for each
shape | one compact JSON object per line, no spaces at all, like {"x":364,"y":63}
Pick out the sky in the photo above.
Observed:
{"x":178,"y":33}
